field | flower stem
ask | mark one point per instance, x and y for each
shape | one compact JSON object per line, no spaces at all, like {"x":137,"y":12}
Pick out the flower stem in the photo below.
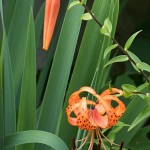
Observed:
{"x":115,"y":41}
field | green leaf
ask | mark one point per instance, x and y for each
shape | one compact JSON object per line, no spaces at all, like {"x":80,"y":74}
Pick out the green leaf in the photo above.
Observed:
{"x":135,"y":107}
{"x":128,"y":89}
{"x":134,"y":57}
{"x":130,"y":40}
{"x":90,"y":63}
{"x":143,"y":115}
{"x":27,"y":105}
{"x":9,"y":97}
{"x":35,"y":136}
{"x":136,"y":60}
{"x":39,"y":24}
{"x":8,"y":15}
{"x":119,"y":126}
{"x":17,"y":31}
{"x":147,"y":98}
{"x":141,"y":139}
{"x":104,"y":30}
{"x":77,"y":2}
{"x":86,"y":16}
{"x":2,"y":127}
{"x":120,"y":58}
{"x":1,"y":108}
{"x":109,"y":49}
{"x":108,"y":24}
{"x":107,"y":28}
{"x":59,"y":74}
{"x":144,"y":66}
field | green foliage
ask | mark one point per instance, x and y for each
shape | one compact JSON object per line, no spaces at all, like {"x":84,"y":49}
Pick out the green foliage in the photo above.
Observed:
{"x":128,"y":90}
{"x":34,"y":136}
{"x":142,"y":116}
{"x":32,"y":107}
{"x":73,"y":3}
{"x":120,"y":58}
{"x":107,"y":28}
{"x":130,"y":40}
{"x":109,"y":49}
{"x":86,"y":16}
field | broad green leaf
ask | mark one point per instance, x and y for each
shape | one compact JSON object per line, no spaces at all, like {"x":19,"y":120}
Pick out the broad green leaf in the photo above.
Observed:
{"x":1,"y":108}
{"x":27,"y":105}
{"x":9,"y":113}
{"x":120,"y":58}
{"x":86,"y":16}
{"x":1,"y":111}
{"x":8,"y":15}
{"x":111,"y":136}
{"x":8,"y":90}
{"x":109,"y":49}
{"x":141,"y":139}
{"x":2,"y":128}
{"x":135,"y":107}
{"x":143,"y":115}
{"x":17,"y":31}
{"x":90,"y":59}
{"x":144,"y":66}
{"x":59,"y":74}
{"x":39,"y":24}
{"x":130,"y":40}
{"x":73,"y":3}
{"x":46,"y":68}
{"x":35,"y":136}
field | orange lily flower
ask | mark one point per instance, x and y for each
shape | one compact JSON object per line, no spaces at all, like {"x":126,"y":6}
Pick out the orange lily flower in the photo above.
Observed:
{"x":51,"y":14}
{"x":94,"y":116}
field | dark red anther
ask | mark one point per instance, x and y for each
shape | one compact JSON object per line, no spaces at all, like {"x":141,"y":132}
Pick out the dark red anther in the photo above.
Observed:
{"x":121,"y":146}
{"x":73,"y":144}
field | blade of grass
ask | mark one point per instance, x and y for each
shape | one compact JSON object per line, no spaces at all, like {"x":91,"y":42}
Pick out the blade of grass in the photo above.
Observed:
{"x":27,"y":105}
{"x":34,"y":136}
{"x":58,"y":79}
{"x":10,"y":8}
{"x":39,"y":24}
{"x":9,"y":98}
{"x":1,"y":93}
{"x":46,"y":69}
{"x":1,"y":111}
{"x":92,"y":45}
{"x":18,"y":32}
{"x":1,"y":108}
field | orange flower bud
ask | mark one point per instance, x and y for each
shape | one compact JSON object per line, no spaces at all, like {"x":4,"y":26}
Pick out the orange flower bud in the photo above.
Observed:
{"x":51,"y":14}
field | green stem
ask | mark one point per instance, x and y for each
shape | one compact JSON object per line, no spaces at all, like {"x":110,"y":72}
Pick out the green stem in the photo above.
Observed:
{"x":115,"y":41}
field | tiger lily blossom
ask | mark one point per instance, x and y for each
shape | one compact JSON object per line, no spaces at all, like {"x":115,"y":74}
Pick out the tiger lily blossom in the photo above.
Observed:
{"x":94,"y":116}
{"x":51,"y":14}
